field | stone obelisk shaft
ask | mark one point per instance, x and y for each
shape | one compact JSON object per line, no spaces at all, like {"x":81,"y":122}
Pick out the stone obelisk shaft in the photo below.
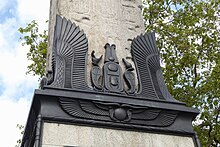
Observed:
{"x":103,"y":21}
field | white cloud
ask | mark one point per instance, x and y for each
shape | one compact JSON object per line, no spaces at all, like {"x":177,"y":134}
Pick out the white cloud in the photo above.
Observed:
{"x":13,"y":72}
{"x":29,"y":10}
{"x":3,"y":4}
{"x":8,"y":30}
{"x":17,"y":91}
{"x":18,"y":88}
{"x":12,"y":113}
{"x":13,"y":61}
{"x":16,"y":96}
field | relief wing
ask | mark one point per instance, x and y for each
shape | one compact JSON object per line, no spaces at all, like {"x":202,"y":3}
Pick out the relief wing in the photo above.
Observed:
{"x":92,"y":108}
{"x":69,"y":55}
{"x":146,"y":115}
{"x":154,"y":117}
{"x":147,"y":61}
{"x":83,"y":109}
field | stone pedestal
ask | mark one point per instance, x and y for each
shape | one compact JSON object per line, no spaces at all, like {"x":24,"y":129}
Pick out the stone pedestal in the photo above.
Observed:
{"x":51,"y":124}
{"x":59,"y":135}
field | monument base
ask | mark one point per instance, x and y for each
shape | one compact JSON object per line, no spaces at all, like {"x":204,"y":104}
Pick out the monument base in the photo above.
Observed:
{"x":61,"y":135}
{"x":63,"y":117}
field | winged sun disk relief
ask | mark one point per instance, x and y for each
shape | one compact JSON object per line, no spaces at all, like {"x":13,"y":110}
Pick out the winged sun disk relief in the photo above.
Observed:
{"x":117,"y":112}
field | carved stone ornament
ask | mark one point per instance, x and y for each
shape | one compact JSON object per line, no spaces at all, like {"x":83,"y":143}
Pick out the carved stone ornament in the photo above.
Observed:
{"x":110,"y":78}
{"x":113,"y":96}
{"x":147,"y":61}
{"x":116,"y":112}
{"x":113,"y":99}
{"x":70,"y":59}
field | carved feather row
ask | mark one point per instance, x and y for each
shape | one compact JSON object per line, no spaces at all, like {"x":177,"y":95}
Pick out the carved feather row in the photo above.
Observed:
{"x":69,"y":55}
{"x":74,"y":108}
{"x":147,"y":61}
{"x":106,"y":111}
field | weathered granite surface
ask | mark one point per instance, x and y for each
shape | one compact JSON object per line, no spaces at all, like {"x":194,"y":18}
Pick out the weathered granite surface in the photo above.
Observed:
{"x":58,"y":135}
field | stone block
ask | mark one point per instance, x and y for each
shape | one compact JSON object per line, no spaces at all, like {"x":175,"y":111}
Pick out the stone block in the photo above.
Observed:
{"x":58,"y":135}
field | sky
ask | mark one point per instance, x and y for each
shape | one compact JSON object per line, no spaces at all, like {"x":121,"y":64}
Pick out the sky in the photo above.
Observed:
{"x":16,"y":87}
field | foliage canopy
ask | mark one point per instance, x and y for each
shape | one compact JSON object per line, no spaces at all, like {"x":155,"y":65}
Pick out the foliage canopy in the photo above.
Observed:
{"x":38,"y":48}
{"x":188,"y":36}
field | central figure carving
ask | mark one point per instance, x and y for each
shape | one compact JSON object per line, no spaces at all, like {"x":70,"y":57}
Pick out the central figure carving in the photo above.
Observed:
{"x":110,"y":77}
{"x":112,"y":71}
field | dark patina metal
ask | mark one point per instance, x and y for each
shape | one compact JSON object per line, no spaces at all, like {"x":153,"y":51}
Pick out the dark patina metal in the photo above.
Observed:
{"x":65,"y":96}
{"x":113,"y":81}
{"x":129,"y":78}
{"x":96,"y":73}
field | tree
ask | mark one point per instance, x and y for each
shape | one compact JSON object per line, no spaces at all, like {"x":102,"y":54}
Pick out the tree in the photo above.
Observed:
{"x":38,"y":48}
{"x":188,"y":39}
{"x":21,"y":129}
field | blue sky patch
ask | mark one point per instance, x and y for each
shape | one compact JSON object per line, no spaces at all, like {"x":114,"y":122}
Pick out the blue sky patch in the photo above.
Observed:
{"x":2,"y":87}
{"x":9,"y":10}
{"x":24,"y":90}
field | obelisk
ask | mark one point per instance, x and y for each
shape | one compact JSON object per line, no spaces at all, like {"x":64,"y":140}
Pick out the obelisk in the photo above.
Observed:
{"x":105,"y":87}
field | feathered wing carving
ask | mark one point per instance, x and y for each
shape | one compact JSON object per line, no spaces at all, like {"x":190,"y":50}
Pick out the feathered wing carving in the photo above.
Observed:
{"x":69,"y":55}
{"x":83,"y":109}
{"x":163,"y":119}
{"x":147,"y":61}
{"x":112,"y":112}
